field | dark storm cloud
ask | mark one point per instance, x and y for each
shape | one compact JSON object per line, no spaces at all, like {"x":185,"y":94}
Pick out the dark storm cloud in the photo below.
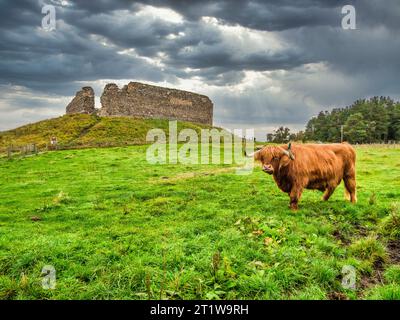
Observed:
{"x":52,"y":61}
{"x":72,"y":53}
{"x":263,"y":15}
{"x":15,"y":14}
{"x":104,"y":39}
{"x":280,"y":15}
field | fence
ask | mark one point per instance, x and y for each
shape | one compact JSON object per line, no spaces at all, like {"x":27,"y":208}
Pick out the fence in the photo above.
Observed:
{"x":23,"y":151}
{"x":388,"y":145}
{"x":32,"y":148}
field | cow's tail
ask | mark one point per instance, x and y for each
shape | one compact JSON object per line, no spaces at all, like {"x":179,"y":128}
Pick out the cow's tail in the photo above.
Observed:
{"x":349,"y":177}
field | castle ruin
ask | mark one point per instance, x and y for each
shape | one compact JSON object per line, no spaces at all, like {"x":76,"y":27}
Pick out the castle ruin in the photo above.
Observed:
{"x":144,"y":101}
{"x":83,"y":102}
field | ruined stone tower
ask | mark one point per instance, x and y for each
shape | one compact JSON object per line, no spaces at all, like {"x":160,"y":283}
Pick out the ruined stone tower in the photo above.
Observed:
{"x":147,"y":101}
{"x":83,"y":102}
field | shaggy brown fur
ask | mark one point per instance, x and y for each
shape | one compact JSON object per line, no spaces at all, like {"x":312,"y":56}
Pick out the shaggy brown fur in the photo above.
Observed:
{"x":311,"y":166}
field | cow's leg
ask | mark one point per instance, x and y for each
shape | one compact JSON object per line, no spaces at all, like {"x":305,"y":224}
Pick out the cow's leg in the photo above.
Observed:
{"x":350,"y":185}
{"x":328,"y":192}
{"x":295,"y":195}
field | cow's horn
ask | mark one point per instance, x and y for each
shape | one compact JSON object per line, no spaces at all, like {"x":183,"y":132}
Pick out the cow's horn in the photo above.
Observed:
{"x":251,"y":155}
{"x":289,"y":152}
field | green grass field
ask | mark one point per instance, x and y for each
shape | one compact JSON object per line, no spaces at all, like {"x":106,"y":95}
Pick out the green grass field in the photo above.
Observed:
{"x":115,"y":227}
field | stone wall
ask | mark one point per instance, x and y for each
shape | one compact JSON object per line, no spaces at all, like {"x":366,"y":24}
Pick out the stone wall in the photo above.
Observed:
{"x":147,"y":101}
{"x":144,"y":101}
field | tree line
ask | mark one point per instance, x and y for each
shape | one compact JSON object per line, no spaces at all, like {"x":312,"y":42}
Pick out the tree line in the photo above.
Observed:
{"x":373,"y":120}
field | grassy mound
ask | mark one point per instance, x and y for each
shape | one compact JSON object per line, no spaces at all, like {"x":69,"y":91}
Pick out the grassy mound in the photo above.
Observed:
{"x":81,"y":131}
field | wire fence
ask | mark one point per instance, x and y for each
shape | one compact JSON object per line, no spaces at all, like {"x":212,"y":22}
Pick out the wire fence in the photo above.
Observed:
{"x":32,"y":148}
{"x":28,"y":149}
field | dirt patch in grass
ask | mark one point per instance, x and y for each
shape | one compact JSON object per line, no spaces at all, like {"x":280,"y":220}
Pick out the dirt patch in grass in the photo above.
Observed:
{"x":341,"y":237}
{"x":370,"y":280}
{"x":362,"y":231}
{"x":337,"y":296}
{"x":379,"y":264}
{"x":393,"y":249}
{"x":375,"y":278}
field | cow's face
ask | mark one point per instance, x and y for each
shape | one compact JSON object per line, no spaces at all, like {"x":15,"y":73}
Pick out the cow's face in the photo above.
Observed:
{"x":269,"y":163}
{"x":271,"y":158}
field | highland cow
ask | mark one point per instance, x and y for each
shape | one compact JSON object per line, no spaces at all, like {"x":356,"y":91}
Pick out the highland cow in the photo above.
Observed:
{"x":310,"y":166}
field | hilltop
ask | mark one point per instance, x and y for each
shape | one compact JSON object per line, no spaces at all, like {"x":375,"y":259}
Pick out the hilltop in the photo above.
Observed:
{"x":83,"y":131}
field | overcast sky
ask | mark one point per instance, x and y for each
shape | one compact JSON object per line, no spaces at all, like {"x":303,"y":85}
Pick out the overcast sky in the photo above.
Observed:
{"x":262,"y":64}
